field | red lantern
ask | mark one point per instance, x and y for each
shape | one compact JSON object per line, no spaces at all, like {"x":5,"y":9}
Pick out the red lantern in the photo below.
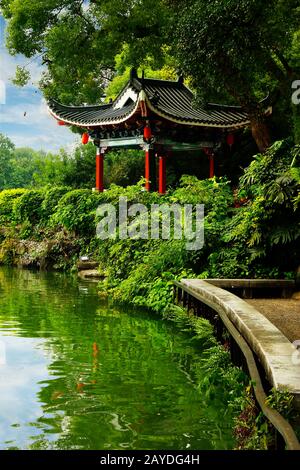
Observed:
{"x":147,"y":132}
{"x":85,"y":138}
{"x":61,"y":123}
{"x":230,"y":140}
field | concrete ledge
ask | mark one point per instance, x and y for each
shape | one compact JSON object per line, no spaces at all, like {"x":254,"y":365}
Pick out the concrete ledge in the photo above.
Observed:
{"x":90,"y":274}
{"x":253,"y":283}
{"x":251,"y":288}
{"x":272,"y":348}
{"x":87,"y":265}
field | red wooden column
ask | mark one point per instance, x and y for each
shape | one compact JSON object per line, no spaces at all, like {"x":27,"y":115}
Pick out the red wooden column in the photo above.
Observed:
{"x":162,"y":174}
{"x":100,"y":170}
{"x":150,"y":169}
{"x":147,"y":169}
{"x":210,"y":153}
{"x":211,"y":165}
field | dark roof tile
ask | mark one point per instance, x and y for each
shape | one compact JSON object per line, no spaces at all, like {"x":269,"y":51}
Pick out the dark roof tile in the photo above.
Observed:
{"x":171,"y":100}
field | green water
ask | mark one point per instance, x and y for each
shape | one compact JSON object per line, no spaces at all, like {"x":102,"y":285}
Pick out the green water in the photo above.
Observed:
{"x":78,"y":374}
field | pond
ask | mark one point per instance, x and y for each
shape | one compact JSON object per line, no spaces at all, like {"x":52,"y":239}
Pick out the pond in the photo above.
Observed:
{"x":78,"y":373}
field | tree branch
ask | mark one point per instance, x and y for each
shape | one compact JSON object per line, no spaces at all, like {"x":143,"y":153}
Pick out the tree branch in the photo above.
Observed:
{"x":283,"y":60}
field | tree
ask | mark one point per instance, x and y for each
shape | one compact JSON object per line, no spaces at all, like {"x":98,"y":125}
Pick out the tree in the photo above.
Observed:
{"x":240,"y":48}
{"x":122,"y":72}
{"x":78,"y":40}
{"x":6,"y":153}
{"x":23,"y":168}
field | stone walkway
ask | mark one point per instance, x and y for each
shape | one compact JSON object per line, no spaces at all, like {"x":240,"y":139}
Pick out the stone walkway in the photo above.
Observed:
{"x":283,"y":313}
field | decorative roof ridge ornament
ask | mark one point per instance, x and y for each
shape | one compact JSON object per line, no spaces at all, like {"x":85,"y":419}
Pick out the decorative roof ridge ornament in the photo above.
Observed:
{"x":143,"y":103}
{"x":180,"y":78}
{"x":133,"y":74}
{"x":143,"y":80}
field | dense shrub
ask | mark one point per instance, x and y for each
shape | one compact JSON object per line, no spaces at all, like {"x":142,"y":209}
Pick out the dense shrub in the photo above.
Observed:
{"x":76,"y":211}
{"x":268,"y":223}
{"x":51,"y":199}
{"x":7,"y":199}
{"x":246,"y":231}
{"x":28,"y":207}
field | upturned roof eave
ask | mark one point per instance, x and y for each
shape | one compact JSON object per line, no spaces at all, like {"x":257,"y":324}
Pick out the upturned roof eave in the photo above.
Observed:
{"x":154,"y":110}
{"x":139,"y":86}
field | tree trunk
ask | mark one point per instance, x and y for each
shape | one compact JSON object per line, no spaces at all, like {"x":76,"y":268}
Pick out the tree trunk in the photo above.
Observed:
{"x":260,"y":132}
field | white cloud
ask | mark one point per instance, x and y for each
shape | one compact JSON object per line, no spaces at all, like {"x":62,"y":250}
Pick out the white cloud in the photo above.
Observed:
{"x":27,"y":114}
{"x":9,"y":64}
{"x":40,"y":129}
{"x":25,"y":367}
{"x":47,"y":142}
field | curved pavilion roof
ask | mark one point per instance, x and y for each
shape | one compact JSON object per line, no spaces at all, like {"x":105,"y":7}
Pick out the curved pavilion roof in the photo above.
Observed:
{"x":170,"y":100}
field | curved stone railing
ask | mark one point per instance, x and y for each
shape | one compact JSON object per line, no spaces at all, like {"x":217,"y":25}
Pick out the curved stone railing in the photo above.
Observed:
{"x":275,"y":352}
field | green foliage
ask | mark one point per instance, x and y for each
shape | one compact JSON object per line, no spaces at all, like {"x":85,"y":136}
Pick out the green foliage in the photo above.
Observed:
{"x":266,"y":169}
{"x":240,"y":50}
{"x":7,"y":199}
{"x":76,"y":211}
{"x":200,"y":329}
{"x":7,"y":252}
{"x":245,"y":235}
{"x":25,"y":164}
{"x":282,"y":401}
{"x":149,"y":274}
{"x":51,"y":199}
{"x":28,"y":207}
{"x":267,"y":223}
{"x":124,"y":167}
{"x":79,"y":43}
{"x":217,"y":367}
{"x":122,"y":75}
{"x":22,"y":76}
{"x":252,"y":429}
{"x":215,"y":194}
{"x":6,"y":152}
{"x":27,"y":168}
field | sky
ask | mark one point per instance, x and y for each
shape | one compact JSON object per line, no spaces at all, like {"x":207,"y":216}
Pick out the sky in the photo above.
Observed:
{"x":37,"y":129}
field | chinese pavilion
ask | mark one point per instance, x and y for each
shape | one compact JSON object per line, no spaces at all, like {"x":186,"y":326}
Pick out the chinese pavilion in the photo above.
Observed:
{"x":157,"y":116}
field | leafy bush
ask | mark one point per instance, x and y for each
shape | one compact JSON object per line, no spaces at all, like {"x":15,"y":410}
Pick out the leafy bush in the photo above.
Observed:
{"x":76,"y":211}
{"x":252,"y":430}
{"x":245,"y":231}
{"x":51,"y":199}
{"x":7,"y":199}
{"x":267,"y":222}
{"x":215,"y":194}
{"x":29,"y":206}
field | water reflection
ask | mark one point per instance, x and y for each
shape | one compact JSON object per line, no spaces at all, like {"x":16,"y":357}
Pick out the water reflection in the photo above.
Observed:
{"x":81,"y":375}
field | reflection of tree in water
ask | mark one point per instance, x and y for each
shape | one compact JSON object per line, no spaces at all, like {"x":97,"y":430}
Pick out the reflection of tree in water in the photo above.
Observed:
{"x":116,"y":380}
